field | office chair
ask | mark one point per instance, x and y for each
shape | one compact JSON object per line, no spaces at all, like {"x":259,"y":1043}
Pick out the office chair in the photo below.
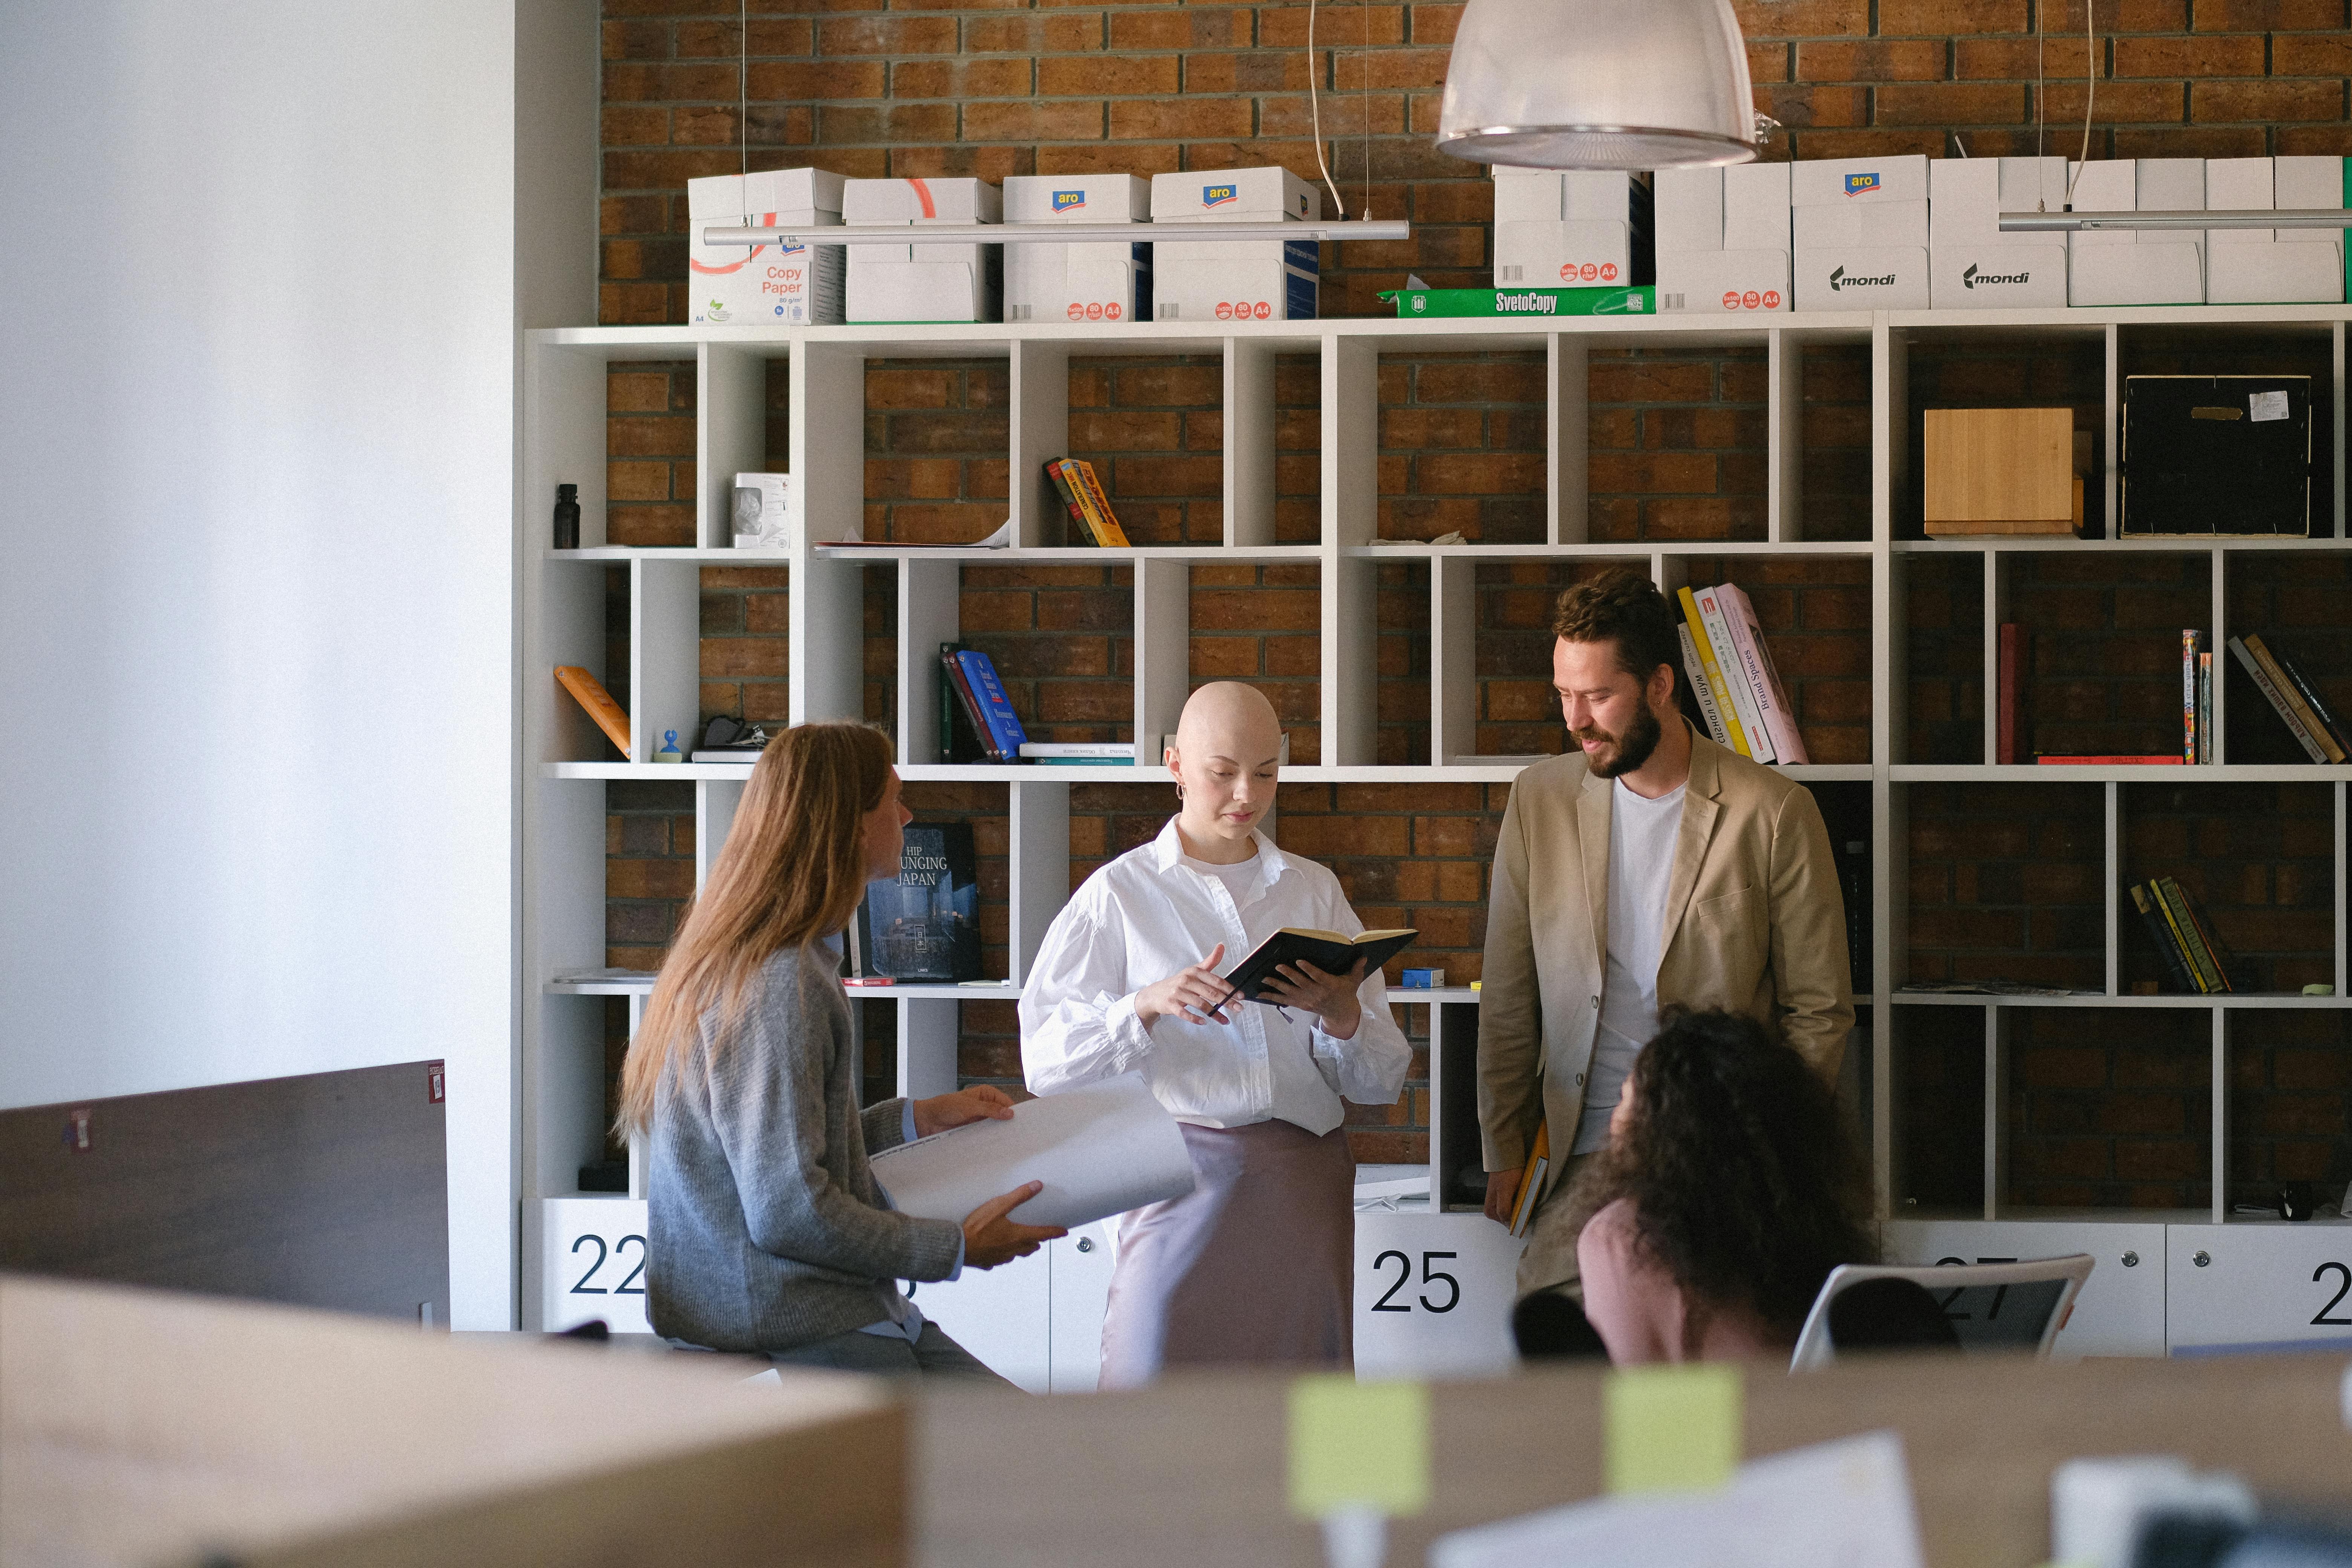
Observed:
{"x":1989,"y":1306}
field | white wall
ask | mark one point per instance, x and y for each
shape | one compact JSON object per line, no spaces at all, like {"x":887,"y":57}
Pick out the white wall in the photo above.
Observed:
{"x":258,"y":305}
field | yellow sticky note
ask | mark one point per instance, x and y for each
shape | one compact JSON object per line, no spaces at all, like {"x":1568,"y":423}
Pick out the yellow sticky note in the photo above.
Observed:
{"x":1362,"y":1445}
{"x":1671,"y":1429}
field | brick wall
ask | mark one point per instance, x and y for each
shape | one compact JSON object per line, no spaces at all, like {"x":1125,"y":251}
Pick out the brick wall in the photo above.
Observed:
{"x":2003,"y":882}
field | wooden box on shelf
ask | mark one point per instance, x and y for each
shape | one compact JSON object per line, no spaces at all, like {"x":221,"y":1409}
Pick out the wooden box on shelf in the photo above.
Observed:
{"x":2003,"y":470}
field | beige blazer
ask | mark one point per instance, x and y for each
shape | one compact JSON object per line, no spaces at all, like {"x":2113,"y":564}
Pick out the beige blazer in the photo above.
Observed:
{"x":1754,"y":923}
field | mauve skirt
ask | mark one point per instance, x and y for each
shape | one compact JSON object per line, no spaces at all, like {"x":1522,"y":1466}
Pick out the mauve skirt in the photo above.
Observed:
{"x":1256,"y":1265}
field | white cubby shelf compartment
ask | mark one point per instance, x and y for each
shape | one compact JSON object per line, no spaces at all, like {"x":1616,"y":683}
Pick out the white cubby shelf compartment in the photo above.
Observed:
{"x":566,"y":768}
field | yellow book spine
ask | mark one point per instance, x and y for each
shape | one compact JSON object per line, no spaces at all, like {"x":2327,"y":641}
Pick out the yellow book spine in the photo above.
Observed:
{"x":1107,"y":532}
{"x":1707,"y":662}
{"x":590,"y":694}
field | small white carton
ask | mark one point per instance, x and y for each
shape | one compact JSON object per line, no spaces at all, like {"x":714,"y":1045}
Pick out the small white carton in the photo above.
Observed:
{"x":1997,"y":277}
{"x":1832,"y":181}
{"x":2170,"y":184}
{"x":958,"y":282}
{"x":1687,"y":214}
{"x":1092,"y":282}
{"x":2108,"y":186}
{"x":2275,"y":273}
{"x":2118,"y":267}
{"x":1552,"y":195}
{"x":2239,"y":185}
{"x":1582,"y":254}
{"x":1756,"y":208}
{"x":797,"y":285}
{"x":2133,"y":274}
{"x":2306,"y":181}
{"x":1848,"y":225}
{"x":1968,"y":195}
{"x":765,"y":515}
{"x":1863,"y":277}
{"x":1722,"y":282}
{"x":1228,"y":280}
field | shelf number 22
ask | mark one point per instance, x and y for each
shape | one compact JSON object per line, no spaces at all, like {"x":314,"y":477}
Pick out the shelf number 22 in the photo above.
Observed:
{"x":1428,"y":1276}
{"x":627,"y":1286}
{"x":2344,"y":1285}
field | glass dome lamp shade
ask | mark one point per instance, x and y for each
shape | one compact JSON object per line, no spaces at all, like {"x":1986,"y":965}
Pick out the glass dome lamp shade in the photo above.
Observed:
{"x":1598,"y":84}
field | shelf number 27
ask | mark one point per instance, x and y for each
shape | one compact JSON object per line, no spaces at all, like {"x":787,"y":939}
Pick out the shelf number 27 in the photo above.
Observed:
{"x":1429,"y":1276}
{"x":627,"y":1286}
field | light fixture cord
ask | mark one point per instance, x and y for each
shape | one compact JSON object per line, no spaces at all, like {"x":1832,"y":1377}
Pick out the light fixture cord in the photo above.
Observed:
{"x":2090,"y":91}
{"x":1365,"y":99}
{"x":1313,"y":111}
{"x":743,"y":81}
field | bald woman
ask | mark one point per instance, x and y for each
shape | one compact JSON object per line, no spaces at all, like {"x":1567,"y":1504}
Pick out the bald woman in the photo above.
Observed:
{"x":1257,"y":1263}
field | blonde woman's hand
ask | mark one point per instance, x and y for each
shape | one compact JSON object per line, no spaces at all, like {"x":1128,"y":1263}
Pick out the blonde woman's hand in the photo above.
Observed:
{"x":980,"y":1102}
{"x":1195,"y":994}
{"x":991,"y":1236}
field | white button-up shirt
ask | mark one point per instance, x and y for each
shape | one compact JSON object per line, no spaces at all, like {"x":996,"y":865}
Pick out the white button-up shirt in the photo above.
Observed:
{"x":1147,"y":915}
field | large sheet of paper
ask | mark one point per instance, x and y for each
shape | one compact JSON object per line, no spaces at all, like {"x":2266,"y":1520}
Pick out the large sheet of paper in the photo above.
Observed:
{"x":1846,"y":1504}
{"x":1100,"y":1150}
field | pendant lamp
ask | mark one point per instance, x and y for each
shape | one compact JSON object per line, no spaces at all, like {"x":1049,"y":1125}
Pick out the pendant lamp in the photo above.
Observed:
{"x":1598,"y":84}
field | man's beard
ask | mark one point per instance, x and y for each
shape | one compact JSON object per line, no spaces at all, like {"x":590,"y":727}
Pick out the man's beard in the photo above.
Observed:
{"x":1632,"y":748}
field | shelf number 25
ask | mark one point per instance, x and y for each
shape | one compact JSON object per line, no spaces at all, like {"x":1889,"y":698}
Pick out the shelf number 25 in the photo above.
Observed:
{"x":1429,"y":1276}
{"x":627,"y":1286}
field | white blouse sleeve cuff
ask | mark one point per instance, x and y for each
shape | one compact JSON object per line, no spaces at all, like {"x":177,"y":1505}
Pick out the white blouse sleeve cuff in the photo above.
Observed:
{"x":1130,"y":1038}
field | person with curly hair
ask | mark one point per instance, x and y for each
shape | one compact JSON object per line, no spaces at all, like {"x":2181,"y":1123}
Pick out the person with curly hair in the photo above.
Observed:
{"x":1730,"y":1190}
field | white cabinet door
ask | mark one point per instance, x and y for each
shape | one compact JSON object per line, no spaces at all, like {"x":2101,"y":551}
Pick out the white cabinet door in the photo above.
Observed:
{"x":1081,"y":1269}
{"x":592,"y":1263}
{"x":2121,"y":1308}
{"x":2260,"y":1283}
{"x":1000,"y":1315}
{"x":1433,"y":1294}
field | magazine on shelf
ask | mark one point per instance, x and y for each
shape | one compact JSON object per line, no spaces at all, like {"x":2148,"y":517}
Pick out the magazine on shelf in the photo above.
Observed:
{"x":924,"y":923}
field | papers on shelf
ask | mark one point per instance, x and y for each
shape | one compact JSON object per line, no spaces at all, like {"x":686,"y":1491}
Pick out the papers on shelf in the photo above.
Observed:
{"x":1497,"y":758}
{"x":1100,"y":1150}
{"x":1991,"y":988}
{"x":1846,"y":1504}
{"x":606,"y":976}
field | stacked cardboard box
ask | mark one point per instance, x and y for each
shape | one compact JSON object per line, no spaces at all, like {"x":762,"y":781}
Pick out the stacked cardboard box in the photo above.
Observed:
{"x":1234,"y":280}
{"x":790,"y":285}
{"x":1723,"y":239}
{"x":925,"y":282}
{"x":1092,"y":282}
{"x":1860,"y":227}
{"x":2265,"y":266}
{"x":1971,"y":265}
{"x":2121,"y":267}
{"x":1566,"y":229}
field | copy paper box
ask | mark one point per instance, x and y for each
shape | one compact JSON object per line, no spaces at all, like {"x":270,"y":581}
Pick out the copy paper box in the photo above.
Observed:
{"x":1688,"y":210}
{"x":1554,"y":195}
{"x":1848,"y":225}
{"x":1995,"y":276}
{"x":930,"y":282}
{"x":2133,"y":274}
{"x":2108,"y":186}
{"x":794,"y":285}
{"x":1832,"y":181}
{"x":1734,"y":283}
{"x":1755,"y":208}
{"x":1090,"y":282}
{"x":2274,"y":274}
{"x":1968,"y":195}
{"x":1863,"y":277}
{"x":1228,"y":280}
{"x":2307,"y":181}
{"x":2169,"y":184}
{"x":2238,"y":184}
{"x":1590,"y":254}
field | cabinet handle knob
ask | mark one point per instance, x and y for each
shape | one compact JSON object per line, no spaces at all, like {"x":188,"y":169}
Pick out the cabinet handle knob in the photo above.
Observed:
{"x":1085,"y":1244}
{"x":2202,"y":1259}
{"x":2131,"y":1260}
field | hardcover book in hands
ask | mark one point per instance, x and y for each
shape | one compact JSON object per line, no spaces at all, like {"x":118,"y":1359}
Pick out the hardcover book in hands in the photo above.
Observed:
{"x":1326,"y":950}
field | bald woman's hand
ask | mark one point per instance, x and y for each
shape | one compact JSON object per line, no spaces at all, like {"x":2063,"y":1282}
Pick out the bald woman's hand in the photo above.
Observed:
{"x":1194,"y":994}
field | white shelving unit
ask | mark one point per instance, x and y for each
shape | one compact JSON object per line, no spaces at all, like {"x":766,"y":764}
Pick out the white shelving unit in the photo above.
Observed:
{"x":563,"y":622}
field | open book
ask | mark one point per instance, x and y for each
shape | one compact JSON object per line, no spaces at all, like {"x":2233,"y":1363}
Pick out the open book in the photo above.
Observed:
{"x":1326,"y":950}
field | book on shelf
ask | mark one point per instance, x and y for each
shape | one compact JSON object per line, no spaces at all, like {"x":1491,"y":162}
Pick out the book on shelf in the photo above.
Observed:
{"x":2272,"y":693}
{"x":2013,"y":726}
{"x":727,"y":738}
{"x":991,"y":706}
{"x":1326,"y":950}
{"x":2205,"y":705}
{"x":1711,"y":671}
{"x":2312,"y":703}
{"x":2206,"y":976}
{"x":2157,"y":760}
{"x":2213,"y":950}
{"x":1727,"y":660}
{"x":1088,"y":504}
{"x":967,"y":742}
{"x":1701,"y":692}
{"x":1763,"y":680}
{"x":1079,"y":754}
{"x":2168,"y":948}
{"x":924,"y":923}
{"x":590,"y":693}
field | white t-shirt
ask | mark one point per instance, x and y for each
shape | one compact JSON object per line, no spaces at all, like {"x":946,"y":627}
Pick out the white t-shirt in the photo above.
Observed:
{"x":1641,"y":836}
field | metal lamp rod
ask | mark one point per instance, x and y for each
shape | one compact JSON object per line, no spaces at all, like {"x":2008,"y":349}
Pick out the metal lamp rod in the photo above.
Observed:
{"x":1051,"y":233}
{"x":2235,"y":218}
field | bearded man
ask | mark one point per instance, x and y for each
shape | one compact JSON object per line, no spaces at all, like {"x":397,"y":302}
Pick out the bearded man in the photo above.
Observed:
{"x":1649,"y":867}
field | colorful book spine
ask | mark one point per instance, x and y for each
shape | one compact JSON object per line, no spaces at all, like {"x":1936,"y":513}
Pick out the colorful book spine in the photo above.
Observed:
{"x":951,"y":657}
{"x":2161,"y":934}
{"x":2209,"y":978}
{"x":1696,"y":673}
{"x":2158,"y":760}
{"x":2216,"y":952}
{"x":1763,"y":680}
{"x":1081,"y":530}
{"x":1004,"y":731}
{"x":1743,"y":700}
{"x":1100,"y":519}
{"x":2008,"y":735}
{"x":2313,"y":701}
{"x":2189,"y":638}
{"x":2276,"y":699}
{"x":1711,"y":663}
{"x":2288,"y":689}
{"x":590,"y":693}
{"x":2204,"y":705}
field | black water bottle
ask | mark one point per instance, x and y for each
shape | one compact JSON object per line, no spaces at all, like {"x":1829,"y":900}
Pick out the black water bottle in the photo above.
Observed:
{"x":567,"y":516}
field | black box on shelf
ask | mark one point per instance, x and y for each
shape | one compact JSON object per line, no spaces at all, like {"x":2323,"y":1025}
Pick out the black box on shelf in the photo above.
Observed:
{"x":2216,"y":455}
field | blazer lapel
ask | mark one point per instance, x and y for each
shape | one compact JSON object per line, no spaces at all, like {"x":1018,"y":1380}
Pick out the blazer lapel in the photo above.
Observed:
{"x":1700,"y":810}
{"x":1592,"y":838}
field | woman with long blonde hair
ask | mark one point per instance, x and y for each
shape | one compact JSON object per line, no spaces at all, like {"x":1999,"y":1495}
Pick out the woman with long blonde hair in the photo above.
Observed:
{"x":768,"y":1234}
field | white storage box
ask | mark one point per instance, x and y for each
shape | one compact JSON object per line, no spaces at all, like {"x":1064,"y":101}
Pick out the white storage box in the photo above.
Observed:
{"x":2239,"y":185}
{"x":1228,"y":280}
{"x":1731,"y":282}
{"x":1968,"y":195}
{"x":2308,"y":182}
{"x":2169,"y":184}
{"x":1556,"y":195}
{"x":1590,"y":254}
{"x":930,"y":282}
{"x":2134,"y":274}
{"x":1997,"y":277}
{"x":2118,"y":267}
{"x":1756,"y":208}
{"x":793,"y":285}
{"x":1830,"y":180}
{"x":2276,"y":273}
{"x":1863,"y":277}
{"x":1868,"y":224}
{"x":1687,"y":211}
{"x":1093,"y":282}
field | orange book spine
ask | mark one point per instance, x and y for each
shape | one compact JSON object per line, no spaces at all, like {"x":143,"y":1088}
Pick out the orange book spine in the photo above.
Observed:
{"x":590,"y":694}
{"x":1106,"y":521}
